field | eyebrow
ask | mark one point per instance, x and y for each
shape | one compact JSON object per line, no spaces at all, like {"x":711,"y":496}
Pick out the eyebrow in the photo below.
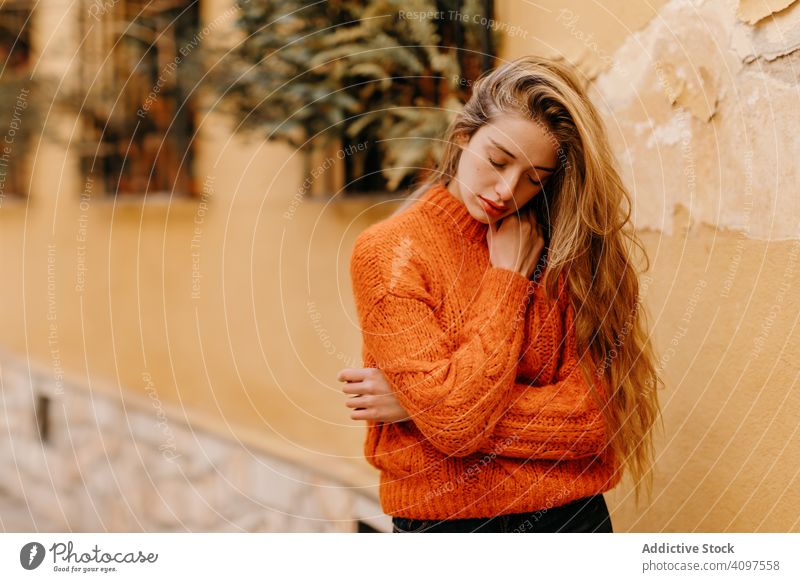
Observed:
{"x":513,"y":157}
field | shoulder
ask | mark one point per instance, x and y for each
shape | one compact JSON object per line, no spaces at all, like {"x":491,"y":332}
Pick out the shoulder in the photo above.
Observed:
{"x":392,"y":256}
{"x":388,"y":242}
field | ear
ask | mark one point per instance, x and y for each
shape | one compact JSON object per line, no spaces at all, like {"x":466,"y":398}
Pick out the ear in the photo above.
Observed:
{"x":460,"y":140}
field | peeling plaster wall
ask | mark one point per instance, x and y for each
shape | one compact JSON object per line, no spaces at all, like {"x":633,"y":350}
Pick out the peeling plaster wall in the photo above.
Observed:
{"x":698,"y":113}
{"x":753,"y":11}
{"x":701,"y":108}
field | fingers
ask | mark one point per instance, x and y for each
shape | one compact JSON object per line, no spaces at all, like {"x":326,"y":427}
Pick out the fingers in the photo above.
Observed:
{"x":369,"y":390}
{"x":380,"y":413}
{"x":532,"y":216}
{"x":354,"y":374}
{"x":365,"y":414}
{"x":372,"y":385}
{"x":359,"y":402}
{"x":492,"y":231}
{"x":357,"y":388}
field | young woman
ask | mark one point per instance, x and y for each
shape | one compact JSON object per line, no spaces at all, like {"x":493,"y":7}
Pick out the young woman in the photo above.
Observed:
{"x":509,"y":380}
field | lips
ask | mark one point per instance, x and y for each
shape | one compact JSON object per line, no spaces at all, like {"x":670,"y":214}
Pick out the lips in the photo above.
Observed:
{"x":491,"y":205}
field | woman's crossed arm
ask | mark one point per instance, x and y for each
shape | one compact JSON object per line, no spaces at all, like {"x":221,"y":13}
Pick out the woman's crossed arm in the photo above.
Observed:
{"x":557,"y":421}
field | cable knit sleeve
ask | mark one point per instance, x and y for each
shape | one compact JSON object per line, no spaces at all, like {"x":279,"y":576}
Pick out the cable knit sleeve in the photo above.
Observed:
{"x":558,"y":421}
{"x":455,"y":390}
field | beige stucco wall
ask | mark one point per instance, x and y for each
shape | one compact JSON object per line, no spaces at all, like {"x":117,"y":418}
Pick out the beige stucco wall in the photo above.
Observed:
{"x":208,"y":298}
{"x":253,"y":348}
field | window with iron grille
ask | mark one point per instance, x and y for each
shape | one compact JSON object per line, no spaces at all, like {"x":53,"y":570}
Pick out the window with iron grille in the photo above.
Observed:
{"x":138,"y":69}
{"x":18,"y":124}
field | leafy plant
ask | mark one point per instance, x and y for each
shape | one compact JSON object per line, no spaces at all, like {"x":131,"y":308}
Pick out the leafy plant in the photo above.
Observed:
{"x":389,"y":73}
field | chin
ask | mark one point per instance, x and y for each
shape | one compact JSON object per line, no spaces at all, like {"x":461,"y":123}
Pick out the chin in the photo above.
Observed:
{"x":482,"y":218}
{"x":478,"y":214}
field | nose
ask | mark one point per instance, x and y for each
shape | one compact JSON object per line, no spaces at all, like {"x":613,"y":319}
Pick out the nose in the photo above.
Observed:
{"x":504,"y":190}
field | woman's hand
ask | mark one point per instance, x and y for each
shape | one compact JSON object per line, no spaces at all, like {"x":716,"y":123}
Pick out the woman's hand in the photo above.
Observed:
{"x":517,"y":243}
{"x":372,"y":397}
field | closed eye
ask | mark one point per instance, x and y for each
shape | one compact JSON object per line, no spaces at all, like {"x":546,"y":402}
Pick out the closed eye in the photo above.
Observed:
{"x":495,"y":164}
{"x":532,"y":181}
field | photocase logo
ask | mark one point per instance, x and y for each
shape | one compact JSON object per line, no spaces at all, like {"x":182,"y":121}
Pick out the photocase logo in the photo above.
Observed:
{"x":31,"y":555}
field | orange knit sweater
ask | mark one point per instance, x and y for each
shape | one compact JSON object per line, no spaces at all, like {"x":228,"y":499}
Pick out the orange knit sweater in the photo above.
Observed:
{"x":502,"y":420}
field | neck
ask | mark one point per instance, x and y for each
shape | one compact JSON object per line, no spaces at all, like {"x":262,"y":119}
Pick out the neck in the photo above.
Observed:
{"x":448,"y":207}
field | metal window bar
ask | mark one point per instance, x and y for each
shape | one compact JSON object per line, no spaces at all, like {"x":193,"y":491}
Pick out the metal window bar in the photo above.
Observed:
{"x":15,"y":89}
{"x":138,"y":116}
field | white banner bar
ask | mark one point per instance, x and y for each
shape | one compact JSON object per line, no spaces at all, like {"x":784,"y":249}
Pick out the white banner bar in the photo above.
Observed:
{"x":422,"y":557}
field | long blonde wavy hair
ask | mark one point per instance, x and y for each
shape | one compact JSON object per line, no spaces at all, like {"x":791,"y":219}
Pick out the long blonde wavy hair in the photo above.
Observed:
{"x":585,"y":210}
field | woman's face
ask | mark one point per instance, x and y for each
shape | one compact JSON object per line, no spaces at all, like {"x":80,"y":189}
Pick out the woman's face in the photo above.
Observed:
{"x":502,"y":167}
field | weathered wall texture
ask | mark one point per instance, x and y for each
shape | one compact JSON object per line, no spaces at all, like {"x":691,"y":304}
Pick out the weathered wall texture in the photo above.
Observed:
{"x":705,"y":125}
{"x":689,"y":86}
{"x":238,"y":309}
{"x":701,"y":109}
{"x":700,"y":101}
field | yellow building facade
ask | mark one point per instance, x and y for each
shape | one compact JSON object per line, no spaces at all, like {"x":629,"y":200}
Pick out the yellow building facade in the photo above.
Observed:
{"x":233,"y":309}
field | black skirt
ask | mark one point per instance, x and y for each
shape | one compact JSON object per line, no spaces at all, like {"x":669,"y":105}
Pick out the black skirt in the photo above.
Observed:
{"x":586,"y":515}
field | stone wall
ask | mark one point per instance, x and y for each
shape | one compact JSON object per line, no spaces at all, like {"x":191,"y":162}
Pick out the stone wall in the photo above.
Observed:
{"x":78,"y":459}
